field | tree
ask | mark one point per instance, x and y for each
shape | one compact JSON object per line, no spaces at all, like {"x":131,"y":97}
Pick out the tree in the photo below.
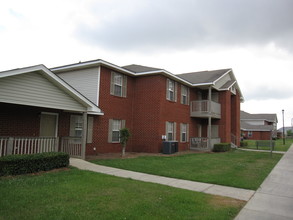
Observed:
{"x":124,"y":136}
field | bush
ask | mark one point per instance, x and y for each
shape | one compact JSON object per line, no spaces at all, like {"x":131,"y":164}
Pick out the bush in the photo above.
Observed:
{"x":243,"y":143}
{"x":222,"y":147}
{"x":30,"y":163}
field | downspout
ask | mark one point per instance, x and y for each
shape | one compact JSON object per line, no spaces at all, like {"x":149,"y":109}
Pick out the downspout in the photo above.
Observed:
{"x":210,"y":118}
{"x":84,"y":135}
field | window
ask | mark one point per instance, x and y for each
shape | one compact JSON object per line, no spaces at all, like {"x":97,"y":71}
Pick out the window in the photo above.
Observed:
{"x":249,"y":133}
{"x":184,"y":130}
{"x":171,"y":131}
{"x":118,"y":84}
{"x":76,"y":127}
{"x":184,"y":95}
{"x":171,"y":90}
{"x":114,"y":130}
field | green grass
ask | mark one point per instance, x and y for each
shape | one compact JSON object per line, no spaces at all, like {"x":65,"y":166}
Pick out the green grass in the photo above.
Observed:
{"x":237,"y":168}
{"x":278,"y":145}
{"x":76,"y":194}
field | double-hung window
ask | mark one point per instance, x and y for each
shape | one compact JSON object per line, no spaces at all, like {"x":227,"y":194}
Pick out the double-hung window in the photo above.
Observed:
{"x":118,"y":84}
{"x":76,"y":127}
{"x":184,"y":95}
{"x":171,"y":131}
{"x":114,"y":130}
{"x":171,"y":91}
{"x":184,"y":130}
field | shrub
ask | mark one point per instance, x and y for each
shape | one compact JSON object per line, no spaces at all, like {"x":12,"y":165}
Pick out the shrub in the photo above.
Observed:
{"x":222,"y":147}
{"x":243,"y":143}
{"x":30,"y":163}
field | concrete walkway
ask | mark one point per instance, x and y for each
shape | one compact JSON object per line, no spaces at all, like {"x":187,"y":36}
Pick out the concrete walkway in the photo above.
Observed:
{"x":274,"y":199}
{"x":231,"y":192}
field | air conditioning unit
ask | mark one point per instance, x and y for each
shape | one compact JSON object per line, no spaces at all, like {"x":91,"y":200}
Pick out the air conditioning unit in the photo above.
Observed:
{"x":170,"y":147}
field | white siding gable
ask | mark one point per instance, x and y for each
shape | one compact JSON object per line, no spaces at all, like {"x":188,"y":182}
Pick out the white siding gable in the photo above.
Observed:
{"x":85,"y":81}
{"x":222,"y":81}
{"x":35,"y":89}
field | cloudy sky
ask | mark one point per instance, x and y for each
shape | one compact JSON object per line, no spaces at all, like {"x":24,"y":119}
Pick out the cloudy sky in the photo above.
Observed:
{"x":253,"y":37}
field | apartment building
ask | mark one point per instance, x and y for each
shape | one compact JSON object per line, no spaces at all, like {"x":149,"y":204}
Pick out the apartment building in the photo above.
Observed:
{"x":55,"y":106}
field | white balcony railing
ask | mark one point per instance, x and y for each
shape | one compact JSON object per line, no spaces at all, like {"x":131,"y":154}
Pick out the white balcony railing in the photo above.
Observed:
{"x":205,"y":108}
{"x":201,"y":143}
{"x":72,"y":146}
{"x":27,"y":145}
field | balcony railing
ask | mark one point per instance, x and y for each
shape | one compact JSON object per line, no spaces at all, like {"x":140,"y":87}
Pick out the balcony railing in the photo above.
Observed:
{"x":201,"y":143}
{"x":72,"y":146}
{"x":205,"y":108}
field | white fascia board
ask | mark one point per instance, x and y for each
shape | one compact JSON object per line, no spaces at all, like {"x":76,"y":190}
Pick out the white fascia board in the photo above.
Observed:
{"x":89,"y":64}
{"x":57,"y":81}
{"x":228,"y":87}
{"x":222,"y":76}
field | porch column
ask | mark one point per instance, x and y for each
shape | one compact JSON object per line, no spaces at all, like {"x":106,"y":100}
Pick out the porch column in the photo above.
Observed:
{"x":210,"y":119}
{"x":84,"y":135}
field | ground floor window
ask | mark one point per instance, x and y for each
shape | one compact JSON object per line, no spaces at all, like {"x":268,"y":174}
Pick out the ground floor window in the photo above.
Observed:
{"x":76,"y":127}
{"x":184,"y":131}
{"x":250,"y":134}
{"x":114,"y":130}
{"x":171,"y":131}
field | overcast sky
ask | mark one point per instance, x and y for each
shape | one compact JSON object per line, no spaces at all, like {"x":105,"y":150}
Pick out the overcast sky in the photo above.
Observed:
{"x":253,"y":37}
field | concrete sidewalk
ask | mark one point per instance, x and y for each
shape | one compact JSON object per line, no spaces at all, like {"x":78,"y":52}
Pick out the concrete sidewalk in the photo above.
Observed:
{"x":274,"y":199}
{"x":232,"y":192}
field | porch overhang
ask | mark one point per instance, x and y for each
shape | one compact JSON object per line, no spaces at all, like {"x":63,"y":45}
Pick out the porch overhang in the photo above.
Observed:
{"x":37,"y":86}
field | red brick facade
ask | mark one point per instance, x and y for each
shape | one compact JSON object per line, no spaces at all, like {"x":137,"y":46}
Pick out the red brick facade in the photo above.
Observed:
{"x":145,"y":110}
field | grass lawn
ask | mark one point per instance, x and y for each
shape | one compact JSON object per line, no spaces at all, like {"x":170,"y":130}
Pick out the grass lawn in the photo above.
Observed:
{"x":237,"y":168}
{"x":278,"y":145}
{"x":75,"y":194}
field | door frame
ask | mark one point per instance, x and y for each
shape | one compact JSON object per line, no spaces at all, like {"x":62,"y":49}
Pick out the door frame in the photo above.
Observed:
{"x":57,"y":119}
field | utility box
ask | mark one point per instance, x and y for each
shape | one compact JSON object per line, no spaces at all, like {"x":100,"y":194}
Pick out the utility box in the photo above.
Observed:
{"x":170,"y":147}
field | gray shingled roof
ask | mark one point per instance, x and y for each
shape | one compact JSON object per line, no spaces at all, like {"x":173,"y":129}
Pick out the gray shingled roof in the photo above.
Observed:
{"x":203,"y":76}
{"x":140,"y":69}
{"x":249,"y":127}
{"x":268,"y":117}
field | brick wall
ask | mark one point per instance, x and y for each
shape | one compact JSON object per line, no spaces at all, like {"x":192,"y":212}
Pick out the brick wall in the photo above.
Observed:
{"x":20,"y":120}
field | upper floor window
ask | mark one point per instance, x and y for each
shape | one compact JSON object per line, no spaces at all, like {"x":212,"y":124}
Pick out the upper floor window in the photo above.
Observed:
{"x":118,"y":84}
{"x":171,"y":90}
{"x":184,"y":95}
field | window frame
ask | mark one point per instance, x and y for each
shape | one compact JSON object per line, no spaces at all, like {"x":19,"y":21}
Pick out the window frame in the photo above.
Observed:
{"x":184,"y":93}
{"x":115,"y":128}
{"x":170,"y":129}
{"x":122,"y":85}
{"x":170,"y":90}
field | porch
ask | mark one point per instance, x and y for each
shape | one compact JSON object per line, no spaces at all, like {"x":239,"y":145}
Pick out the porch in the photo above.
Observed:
{"x":33,"y":145}
{"x":202,"y":143}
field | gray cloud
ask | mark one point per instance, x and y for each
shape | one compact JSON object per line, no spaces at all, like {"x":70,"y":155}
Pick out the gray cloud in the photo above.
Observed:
{"x":187,"y":23}
{"x":265,"y":92}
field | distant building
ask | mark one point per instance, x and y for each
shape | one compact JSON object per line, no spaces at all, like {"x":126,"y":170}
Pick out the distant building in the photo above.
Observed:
{"x":258,"y":126}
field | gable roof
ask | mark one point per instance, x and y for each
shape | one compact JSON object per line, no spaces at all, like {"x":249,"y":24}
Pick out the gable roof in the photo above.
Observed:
{"x":193,"y":79}
{"x":52,"y":82}
{"x":249,"y":127}
{"x":208,"y":77}
{"x":140,"y":69}
{"x":265,"y":117}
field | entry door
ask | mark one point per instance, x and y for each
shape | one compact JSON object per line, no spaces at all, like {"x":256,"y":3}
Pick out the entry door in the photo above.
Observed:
{"x":48,"y":126}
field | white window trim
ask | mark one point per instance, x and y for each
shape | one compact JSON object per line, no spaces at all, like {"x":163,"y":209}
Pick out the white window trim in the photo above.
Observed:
{"x":168,"y":90}
{"x":123,"y":84}
{"x":173,"y":130}
{"x":110,"y":131}
{"x":186,"y":95}
{"x":186,"y":132}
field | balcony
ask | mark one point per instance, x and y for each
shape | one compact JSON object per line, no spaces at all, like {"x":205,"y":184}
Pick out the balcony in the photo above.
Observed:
{"x":202,"y":109}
